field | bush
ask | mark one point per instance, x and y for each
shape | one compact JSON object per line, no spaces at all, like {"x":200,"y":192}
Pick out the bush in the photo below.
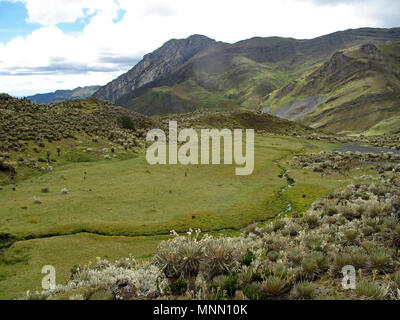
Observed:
{"x":251,"y":291}
{"x":351,"y":235}
{"x":273,"y":287}
{"x":331,"y":211}
{"x":348,"y":213}
{"x":367,"y":230}
{"x":381,"y":259}
{"x":190,"y":255}
{"x":230,"y":285}
{"x":126,"y":123}
{"x":295,"y":256}
{"x":341,"y":260}
{"x":370,"y":290}
{"x":249,"y":258}
{"x":303,"y":290}
{"x":220,"y":257}
{"x":312,"y":220}
{"x":278,"y":225}
{"x":273,"y":256}
{"x":178,"y":287}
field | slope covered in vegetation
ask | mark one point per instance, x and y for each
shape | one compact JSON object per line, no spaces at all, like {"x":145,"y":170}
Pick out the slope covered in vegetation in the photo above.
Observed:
{"x":354,"y":91}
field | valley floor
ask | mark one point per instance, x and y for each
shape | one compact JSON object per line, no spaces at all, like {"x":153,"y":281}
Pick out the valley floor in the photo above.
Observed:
{"x":123,"y":207}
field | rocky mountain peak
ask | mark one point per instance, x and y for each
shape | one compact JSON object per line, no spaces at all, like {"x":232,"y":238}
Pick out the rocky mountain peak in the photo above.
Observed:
{"x":337,"y":63}
{"x":154,"y":66}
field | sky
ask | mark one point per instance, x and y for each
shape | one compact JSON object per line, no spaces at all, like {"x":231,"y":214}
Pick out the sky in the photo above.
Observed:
{"x":46,"y":45}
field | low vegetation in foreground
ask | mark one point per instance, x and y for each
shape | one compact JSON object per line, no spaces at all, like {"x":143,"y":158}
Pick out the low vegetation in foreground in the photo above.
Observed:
{"x":299,"y":257}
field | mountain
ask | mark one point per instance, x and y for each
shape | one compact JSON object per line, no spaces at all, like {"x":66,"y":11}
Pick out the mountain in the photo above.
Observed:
{"x":154,"y":66}
{"x":63,"y":95}
{"x":224,"y":76}
{"x":354,"y":90}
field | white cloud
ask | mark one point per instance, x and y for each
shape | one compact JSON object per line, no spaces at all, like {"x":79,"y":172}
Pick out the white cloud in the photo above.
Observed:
{"x":49,"y":57}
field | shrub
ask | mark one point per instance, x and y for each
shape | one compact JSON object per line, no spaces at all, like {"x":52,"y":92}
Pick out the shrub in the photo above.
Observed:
{"x":273,"y":256}
{"x":312,"y":220}
{"x":168,"y":260}
{"x":367,"y":230}
{"x":249,"y":258}
{"x":370,"y":290}
{"x":303,"y":290}
{"x":359,"y":260}
{"x":251,"y":291}
{"x":278,"y":225}
{"x":331,"y":210}
{"x":220,"y":256}
{"x":313,"y":243}
{"x":314,"y":264}
{"x":178,"y":287}
{"x":341,"y":260}
{"x":348,"y":213}
{"x":295,"y":256}
{"x":272,"y":287}
{"x":351,"y":235}
{"x":230,"y":285}
{"x":381,"y":259}
{"x":190,"y":255}
{"x":309,"y":268}
{"x":374,"y":211}
{"x":126,"y":123}
{"x":293,"y":229}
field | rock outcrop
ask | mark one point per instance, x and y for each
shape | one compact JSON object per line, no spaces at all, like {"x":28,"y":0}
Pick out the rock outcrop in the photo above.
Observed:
{"x":154,"y":66}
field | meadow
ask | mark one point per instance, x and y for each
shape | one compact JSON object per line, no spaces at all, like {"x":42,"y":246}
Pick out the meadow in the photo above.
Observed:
{"x":117,"y":207}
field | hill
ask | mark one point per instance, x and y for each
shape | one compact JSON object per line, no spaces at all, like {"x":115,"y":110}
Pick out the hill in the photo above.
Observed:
{"x":37,"y":137}
{"x":64,"y":95}
{"x":222,"y":76}
{"x":354,"y":90}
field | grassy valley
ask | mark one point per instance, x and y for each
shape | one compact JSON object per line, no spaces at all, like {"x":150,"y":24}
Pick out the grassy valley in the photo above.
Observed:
{"x":95,"y":202}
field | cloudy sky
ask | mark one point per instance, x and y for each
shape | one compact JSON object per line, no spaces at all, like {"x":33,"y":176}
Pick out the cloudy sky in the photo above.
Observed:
{"x":47,"y":45}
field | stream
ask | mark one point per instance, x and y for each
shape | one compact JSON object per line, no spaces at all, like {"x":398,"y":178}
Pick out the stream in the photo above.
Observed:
{"x":289,"y":185}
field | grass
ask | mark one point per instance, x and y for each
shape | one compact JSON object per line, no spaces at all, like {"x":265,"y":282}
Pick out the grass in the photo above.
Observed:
{"x":121,"y":198}
{"x":128,"y":206}
{"x":21,"y":266}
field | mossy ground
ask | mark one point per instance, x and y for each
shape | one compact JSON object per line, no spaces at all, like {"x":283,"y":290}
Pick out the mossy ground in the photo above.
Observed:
{"x":143,"y":203}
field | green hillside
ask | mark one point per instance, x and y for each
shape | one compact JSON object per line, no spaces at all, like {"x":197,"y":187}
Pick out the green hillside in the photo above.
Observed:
{"x":352,"y":92}
{"x":326,"y":82}
{"x":64,"y":95}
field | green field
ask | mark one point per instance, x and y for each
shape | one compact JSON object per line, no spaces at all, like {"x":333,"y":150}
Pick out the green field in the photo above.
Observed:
{"x":126,"y":207}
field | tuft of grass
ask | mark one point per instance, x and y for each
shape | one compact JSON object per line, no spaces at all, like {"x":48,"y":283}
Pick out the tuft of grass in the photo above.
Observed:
{"x":370,"y":290}
{"x":272,"y":288}
{"x":303,"y":290}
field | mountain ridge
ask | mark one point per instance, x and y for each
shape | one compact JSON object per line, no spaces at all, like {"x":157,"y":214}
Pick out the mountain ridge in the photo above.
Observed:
{"x":154,"y":66}
{"x":239,"y":75}
{"x":63,"y":95}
